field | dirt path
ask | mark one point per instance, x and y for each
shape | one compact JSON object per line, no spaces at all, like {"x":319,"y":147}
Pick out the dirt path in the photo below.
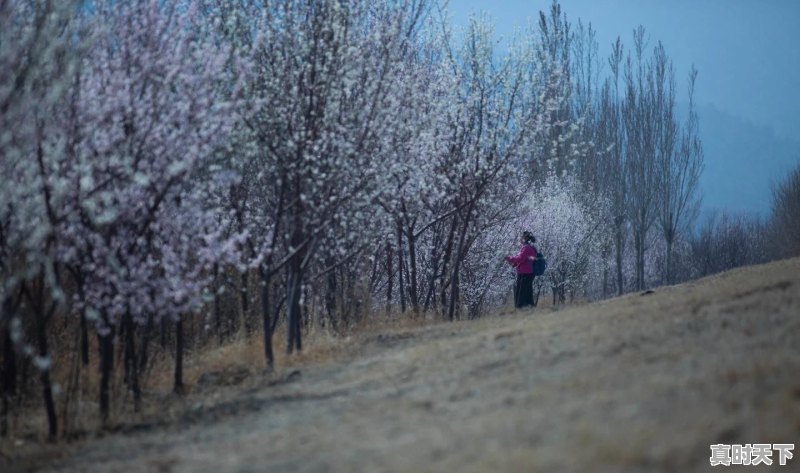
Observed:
{"x":639,"y":383}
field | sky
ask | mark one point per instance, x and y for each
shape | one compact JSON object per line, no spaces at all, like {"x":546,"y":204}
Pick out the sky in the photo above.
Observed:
{"x":746,"y":51}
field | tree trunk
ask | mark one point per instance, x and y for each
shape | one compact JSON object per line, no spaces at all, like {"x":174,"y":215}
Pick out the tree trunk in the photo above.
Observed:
{"x":4,"y":415}
{"x":178,"y":387}
{"x":639,"y":243}
{"x":434,"y":271}
{"x":265,"y":314}
{"x":448,"y":251}
{"x":293,"y":312}
{"x":459,"y":256}
{"x":451,"y":310}
{"x":126,"y":353}
{"x":412,"y":259}
{"x":47,"y":387}
{"x":669,"y":278}
{"x":132,"y":367}
{"x":619,"y":244}
{"x":245,"y":303}
{"x":330,"y":295}
{"x":84,"y":340}
{"x":217,"y":308}
{"x":106,"y":348}
{"x":9,"y":376}
{"x":400,"y":287}
{"x":163,"y":332}
{"x":389,"y":271}
{"x":145,"y":344}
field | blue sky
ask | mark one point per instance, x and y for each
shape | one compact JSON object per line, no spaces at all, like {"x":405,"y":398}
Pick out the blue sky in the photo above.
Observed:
{"x":746,"y":50}
{"x":747,"y":55}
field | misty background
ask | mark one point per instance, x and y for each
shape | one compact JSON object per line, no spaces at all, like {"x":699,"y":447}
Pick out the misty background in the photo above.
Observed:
{"x":747,"y":88}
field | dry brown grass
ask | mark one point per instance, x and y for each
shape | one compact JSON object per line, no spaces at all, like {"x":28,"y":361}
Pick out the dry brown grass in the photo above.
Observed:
{"x":79,"y":385}
{"x":239,"y":353}
{"x":636,"y":383}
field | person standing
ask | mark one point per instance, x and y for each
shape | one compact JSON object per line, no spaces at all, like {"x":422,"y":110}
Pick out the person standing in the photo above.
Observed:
{"x":523,"y":264}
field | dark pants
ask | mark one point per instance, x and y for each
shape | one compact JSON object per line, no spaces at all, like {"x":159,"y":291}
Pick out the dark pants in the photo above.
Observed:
{"x":523,"y":292}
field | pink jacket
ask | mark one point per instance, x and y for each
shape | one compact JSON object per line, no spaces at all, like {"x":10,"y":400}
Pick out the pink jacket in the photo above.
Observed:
{"x":523,"y":262}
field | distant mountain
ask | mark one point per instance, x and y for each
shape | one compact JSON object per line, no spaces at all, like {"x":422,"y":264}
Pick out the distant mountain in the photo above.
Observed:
{"x":742,"y":161}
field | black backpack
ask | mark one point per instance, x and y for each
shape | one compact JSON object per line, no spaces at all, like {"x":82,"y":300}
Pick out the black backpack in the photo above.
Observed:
{"x":539,"y":264}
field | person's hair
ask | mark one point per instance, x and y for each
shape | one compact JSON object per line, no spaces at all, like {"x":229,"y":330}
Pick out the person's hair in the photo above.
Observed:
{"x":528,"y":237}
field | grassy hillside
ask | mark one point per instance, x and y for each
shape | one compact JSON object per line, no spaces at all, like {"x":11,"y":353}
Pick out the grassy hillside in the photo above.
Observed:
{"x":637,"y":383}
